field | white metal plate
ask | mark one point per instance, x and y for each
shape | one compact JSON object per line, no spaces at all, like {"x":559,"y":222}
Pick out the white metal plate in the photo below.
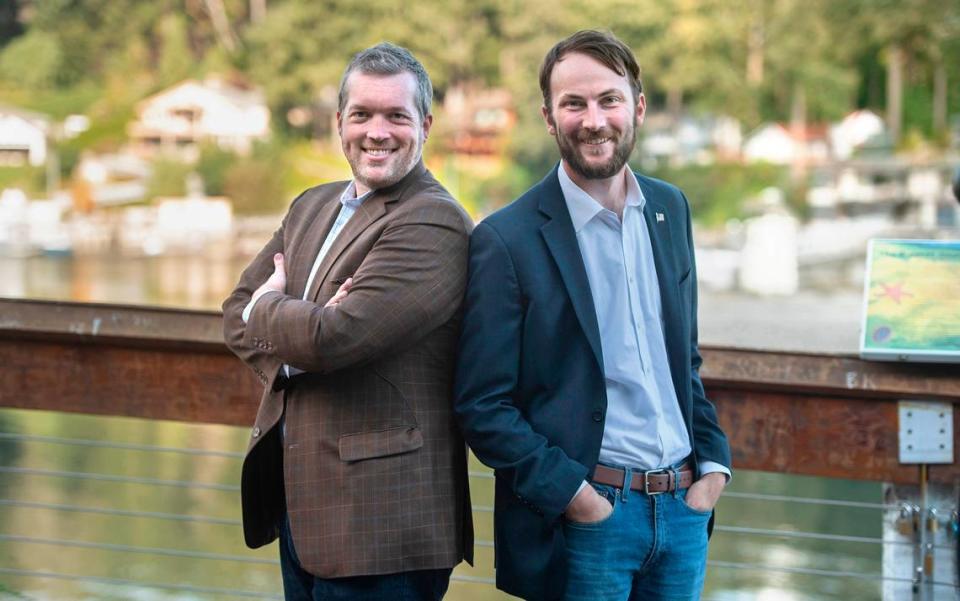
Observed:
{"x":926,"y":432}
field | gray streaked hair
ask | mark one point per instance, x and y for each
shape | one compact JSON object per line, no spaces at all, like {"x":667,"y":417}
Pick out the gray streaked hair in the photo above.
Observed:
{"x":389,"y":59}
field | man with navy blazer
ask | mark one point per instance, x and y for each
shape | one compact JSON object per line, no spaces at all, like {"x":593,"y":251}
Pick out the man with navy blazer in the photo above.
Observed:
{"x":577,"y":379}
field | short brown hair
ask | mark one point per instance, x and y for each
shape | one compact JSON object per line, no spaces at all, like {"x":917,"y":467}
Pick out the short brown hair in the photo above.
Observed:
{"x":388,"y":59}
{"x":600,"y":45}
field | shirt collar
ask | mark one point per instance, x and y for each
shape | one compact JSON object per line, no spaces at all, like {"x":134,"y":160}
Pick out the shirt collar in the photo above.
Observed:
{"x":349,"y":197}
{"x":583,"y":207}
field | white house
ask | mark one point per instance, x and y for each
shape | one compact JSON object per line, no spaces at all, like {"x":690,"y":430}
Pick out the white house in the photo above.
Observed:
{"x":178,"y":119}
{"x":854,"y":131}
{"x":110,"y":179}
{"x":23,"y":137}
{"x":690,"y":139}
{"x":776,"y":143}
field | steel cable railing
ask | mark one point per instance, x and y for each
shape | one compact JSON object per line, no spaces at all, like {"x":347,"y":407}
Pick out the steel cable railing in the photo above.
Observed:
{"x":159,"y":515}
{"x":124,"y":446}
{"x":123,"y":582}
{"x":479,"y":476}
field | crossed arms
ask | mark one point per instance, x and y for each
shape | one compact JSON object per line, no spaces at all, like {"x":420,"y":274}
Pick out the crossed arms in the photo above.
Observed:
{"x":409,"y":283}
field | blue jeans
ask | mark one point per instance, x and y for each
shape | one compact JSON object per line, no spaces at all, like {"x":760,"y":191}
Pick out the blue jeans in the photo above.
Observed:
{"x":300,"y":585}
{"x":651,"y":548}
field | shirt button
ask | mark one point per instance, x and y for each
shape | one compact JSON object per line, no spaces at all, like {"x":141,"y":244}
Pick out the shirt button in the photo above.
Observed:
{"x":597,"y":416}
{"x":256,"y":432}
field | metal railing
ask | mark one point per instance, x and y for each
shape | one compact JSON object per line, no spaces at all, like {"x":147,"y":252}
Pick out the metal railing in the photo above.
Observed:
{"x":788,"y":413}
{"x":482,"y":575}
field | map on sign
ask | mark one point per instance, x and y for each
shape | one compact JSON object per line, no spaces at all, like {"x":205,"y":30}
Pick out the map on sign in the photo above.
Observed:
{"x":912,"y":301}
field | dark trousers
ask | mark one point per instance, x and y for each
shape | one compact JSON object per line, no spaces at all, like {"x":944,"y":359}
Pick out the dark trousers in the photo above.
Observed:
{"x":300,"y":585}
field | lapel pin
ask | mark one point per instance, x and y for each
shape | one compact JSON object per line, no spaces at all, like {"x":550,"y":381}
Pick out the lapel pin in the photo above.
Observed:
{"x":659,"y":217}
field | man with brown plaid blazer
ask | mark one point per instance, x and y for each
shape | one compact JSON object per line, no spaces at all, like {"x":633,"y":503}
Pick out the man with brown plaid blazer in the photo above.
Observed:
{"x":349,"y":316}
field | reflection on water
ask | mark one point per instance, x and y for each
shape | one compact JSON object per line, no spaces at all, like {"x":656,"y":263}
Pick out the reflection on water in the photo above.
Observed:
{"x":260,"y":574}
{"x":175,"y":281}
{"x":201,"y":283}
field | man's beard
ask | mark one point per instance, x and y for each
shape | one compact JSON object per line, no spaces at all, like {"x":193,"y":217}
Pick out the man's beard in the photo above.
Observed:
{"x":402,"y":165}
{"x":621,"y":152}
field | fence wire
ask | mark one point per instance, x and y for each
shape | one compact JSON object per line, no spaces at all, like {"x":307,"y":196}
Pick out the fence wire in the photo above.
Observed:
{"x":201,"y":555}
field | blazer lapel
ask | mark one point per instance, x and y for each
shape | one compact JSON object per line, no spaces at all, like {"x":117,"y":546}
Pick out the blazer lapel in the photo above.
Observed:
{"x":562,"y":242}
{"x":369,"y":211}
{"x":313,"y":237}
{"x":658,"y":221}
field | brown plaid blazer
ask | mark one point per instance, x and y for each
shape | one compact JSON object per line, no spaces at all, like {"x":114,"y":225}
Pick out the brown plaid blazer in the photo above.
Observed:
{"x":371,"y":468}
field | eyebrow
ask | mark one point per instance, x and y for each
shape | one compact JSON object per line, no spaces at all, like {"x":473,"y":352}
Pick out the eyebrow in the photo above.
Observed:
{"x":389,"y":109}
{"x":607,"y":92}
{"x":612,"y":92}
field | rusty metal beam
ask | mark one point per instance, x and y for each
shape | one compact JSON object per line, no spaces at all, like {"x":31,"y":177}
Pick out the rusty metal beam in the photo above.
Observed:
{"x":151,"y":327}
{"x":823,"y":415}
{"x":117,"y":360}
{"x":107,"y":379}
{"x":816,"y":435}
{"x":848,"y":377}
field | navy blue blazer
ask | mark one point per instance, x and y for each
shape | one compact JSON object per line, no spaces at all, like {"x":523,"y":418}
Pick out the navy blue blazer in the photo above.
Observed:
{"x":530,"y":392}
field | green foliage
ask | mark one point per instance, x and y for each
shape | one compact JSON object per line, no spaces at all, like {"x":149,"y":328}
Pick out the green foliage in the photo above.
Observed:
{"x":213,"y":166}
{"x":817,"y":60}
{"x":107,"y":133}
{"x":484,"y":195}
{"x":917,"y":116}
{"x":255,"y":186}
{"x":717,"y":192}
{"x":169,"y":178}
{"x":10,"y":25}
{"x":305,"y":164}
{"x":175,"y":61}
{"x":34,"y":60}
{"x":29,"y":179}
{"x":58,"y":102}
{"x":532,"y":148}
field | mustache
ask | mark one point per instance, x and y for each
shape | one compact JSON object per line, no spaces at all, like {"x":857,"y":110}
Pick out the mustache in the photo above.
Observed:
{"x":586,"y":136}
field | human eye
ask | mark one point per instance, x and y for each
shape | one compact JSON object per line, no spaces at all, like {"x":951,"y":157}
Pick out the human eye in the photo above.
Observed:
{"x":358,"y":115}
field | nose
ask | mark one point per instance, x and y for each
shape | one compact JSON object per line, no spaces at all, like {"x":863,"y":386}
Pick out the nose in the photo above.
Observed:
{"x":378,"y":130}
{"x":593,"y":118}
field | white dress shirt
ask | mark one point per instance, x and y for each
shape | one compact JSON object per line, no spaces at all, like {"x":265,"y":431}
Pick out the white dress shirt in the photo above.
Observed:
{"x":644,"y":427}
{"x":350,"y":202}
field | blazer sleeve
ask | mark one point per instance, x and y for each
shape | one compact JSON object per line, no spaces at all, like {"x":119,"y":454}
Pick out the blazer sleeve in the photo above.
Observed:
{"x":261,"y":362}
{"x":410,"y":283}
{"x":541,"y":475}
{"x":709,"y":441}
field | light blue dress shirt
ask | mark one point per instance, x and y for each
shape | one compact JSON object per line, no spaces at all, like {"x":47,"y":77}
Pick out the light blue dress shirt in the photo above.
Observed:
{"x":644,"y":427}
{"x":349,"y":202}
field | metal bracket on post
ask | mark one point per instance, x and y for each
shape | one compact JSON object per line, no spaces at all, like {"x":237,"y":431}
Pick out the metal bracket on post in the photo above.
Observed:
{"x":925,"y":436}
{"x":926,"y":432}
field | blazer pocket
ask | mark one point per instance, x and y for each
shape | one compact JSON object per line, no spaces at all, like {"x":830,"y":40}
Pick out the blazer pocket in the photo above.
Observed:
{"x":381,"y":443}
{"x":684,"y":274}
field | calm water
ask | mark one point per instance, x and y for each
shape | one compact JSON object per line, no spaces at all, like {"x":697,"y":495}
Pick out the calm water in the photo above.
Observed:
{"x":200,"y":283}
{"x":150,"y":566}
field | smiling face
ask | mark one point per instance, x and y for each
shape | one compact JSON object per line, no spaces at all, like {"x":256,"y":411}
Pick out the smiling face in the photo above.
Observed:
{"x":592,"y":115}
{"x":381,"y":131}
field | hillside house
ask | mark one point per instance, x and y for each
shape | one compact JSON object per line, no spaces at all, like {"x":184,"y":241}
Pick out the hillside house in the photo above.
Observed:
{"x":177,"y":120}
{"x":23,"y":137}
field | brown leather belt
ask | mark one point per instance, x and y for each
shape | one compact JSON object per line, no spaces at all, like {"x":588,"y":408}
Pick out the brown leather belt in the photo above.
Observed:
{"x":652,"y":482}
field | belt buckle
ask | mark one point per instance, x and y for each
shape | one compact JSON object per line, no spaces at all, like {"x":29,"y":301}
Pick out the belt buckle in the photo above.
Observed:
{"x":646,"y":482}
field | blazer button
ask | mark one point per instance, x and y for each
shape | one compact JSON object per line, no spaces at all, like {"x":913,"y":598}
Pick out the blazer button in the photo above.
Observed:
{"x":256,"y":431}
{"x":597,"y":416}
